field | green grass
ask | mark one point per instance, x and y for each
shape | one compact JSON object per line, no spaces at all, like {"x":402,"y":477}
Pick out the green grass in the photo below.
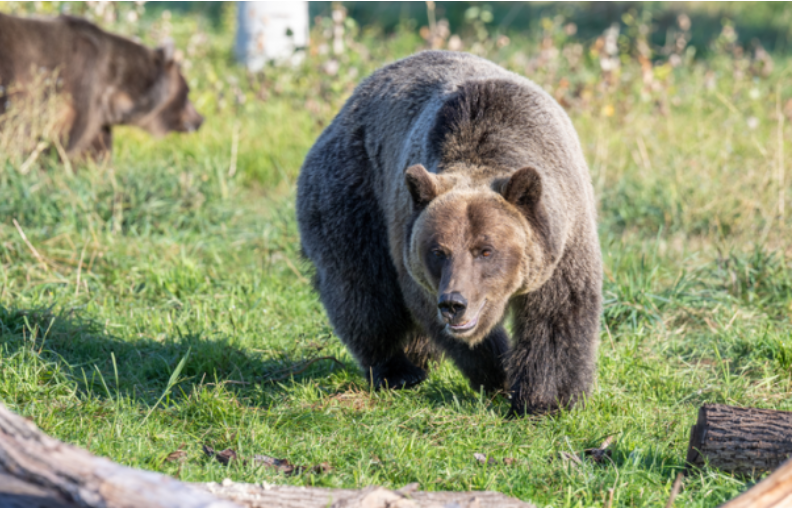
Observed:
{"x":193,"y":305}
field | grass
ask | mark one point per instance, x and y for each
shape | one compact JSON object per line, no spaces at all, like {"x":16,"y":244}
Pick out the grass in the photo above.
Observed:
{"x":166,"y":305}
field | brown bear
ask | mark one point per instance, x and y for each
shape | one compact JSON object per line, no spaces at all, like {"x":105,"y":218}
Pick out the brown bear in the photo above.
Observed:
{"x":109,"y":80}
{"x":446,"y":193}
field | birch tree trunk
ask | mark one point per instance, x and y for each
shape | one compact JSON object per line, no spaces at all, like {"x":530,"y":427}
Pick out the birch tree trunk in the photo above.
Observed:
{"x":270,"y":31}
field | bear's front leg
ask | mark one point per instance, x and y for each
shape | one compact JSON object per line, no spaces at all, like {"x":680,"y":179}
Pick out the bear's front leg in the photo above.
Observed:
{"x":553,"y":360}
{"x":482,"y":364}
{"x":395,"y":373}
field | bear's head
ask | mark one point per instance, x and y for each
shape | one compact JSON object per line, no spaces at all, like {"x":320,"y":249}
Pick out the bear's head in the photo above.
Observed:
{"x":474,"y":247}
{"x":153,"y":95}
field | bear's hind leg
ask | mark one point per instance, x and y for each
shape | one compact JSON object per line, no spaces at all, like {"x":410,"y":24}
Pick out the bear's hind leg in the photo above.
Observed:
{"x":484,"y":363}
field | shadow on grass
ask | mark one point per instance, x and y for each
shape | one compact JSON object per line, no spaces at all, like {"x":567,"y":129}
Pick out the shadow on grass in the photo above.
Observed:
{"x":106,"y":366}
{"x":99,"y":364}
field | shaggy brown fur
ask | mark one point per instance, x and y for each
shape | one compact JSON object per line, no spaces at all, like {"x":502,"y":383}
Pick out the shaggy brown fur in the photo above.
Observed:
{"x":110,"y":80}
{"x":445,"y":193}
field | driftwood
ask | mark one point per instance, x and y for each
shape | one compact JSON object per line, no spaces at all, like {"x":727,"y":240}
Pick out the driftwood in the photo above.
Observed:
{"x":50,"y":473}
{"x":740,"y":440}
{"x":38,"y":471}
{"x":269,"y":496}
{"x":775,"y":491}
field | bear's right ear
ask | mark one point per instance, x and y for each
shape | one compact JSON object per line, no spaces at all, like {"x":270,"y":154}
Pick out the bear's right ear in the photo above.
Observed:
{"x":421,"y":184}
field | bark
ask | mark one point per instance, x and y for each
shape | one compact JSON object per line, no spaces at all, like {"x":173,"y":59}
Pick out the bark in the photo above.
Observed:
{"x":743,"y":441}
{"x":50,"y":473}
{"x":775,"y":491}
{"x":268,"y":496}
{"x":38,"y":471}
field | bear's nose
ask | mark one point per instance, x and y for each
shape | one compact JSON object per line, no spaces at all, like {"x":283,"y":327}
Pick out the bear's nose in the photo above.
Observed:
{"x":451,"y":305}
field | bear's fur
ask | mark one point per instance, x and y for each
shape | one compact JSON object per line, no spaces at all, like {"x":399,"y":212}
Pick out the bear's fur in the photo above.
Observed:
{"x":446,"y":192}
{"x":108,"y":79}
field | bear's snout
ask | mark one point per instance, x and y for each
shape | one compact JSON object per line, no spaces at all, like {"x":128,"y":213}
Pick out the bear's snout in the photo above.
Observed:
{"x":191,"y":119}
{"x":452,"y":305}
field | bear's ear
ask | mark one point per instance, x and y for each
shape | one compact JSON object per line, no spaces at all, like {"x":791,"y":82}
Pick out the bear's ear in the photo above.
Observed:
{"x":421,"y":184}
{"x":166,"y":50}
{"x":524,"y":189}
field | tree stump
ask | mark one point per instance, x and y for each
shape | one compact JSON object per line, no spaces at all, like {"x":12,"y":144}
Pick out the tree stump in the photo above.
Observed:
{"x":743,"y":441}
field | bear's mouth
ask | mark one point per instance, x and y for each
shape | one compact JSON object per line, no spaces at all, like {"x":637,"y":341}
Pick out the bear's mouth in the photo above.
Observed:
{"x":461,"y":328}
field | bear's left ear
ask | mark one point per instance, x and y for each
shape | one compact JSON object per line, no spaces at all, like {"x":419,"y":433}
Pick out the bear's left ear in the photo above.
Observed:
{"x":524,"y":189}
{"x":167,"y":50}
{"x":421,"y":184}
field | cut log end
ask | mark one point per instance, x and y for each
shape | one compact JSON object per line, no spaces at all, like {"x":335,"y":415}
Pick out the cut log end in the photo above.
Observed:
{"x":743,"y":441}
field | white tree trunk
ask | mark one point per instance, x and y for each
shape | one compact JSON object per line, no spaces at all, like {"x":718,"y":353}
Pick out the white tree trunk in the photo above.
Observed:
{"x":270,"y":31}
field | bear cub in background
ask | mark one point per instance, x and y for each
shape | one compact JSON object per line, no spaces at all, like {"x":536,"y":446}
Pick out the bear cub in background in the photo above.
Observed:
{"x":446,"y":193}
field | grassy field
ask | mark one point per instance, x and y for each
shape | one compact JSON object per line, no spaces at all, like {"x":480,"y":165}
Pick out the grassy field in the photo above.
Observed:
{"x":158,"y":303}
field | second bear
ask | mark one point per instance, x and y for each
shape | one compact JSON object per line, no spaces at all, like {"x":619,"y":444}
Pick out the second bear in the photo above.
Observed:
{"x":109,"y":80}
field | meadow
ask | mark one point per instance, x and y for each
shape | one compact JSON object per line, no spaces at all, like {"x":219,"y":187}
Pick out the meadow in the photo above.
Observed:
{"x":157,"y":302}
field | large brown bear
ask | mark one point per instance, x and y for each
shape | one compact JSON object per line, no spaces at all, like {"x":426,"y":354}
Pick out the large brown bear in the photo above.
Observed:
{"x":110,"y":80}
{"x":446,"y":192}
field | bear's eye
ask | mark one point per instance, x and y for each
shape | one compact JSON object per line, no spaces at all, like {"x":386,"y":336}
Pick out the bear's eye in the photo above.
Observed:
{"x":438,"y":254}
{"x":485,"y":253}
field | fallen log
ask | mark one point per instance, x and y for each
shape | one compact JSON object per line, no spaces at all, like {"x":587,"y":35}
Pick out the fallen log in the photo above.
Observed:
{"x":744,"y":441}
{"x":38,"y":471}
{"x":775,"y":491}
{"x":284,"y":496}
{"x":47,"y":472}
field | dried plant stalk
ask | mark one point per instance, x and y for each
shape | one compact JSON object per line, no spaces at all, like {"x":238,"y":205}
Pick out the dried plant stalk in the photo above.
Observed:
{"x":34,"y":115}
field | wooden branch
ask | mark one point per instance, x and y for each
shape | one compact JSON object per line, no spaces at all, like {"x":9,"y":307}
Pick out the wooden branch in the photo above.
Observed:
{"x":51,"y":473}
{"x":740,"y":440}
{"x":775,"y":491}
{"x":269,"y":496}
{"x":38,"y":470}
